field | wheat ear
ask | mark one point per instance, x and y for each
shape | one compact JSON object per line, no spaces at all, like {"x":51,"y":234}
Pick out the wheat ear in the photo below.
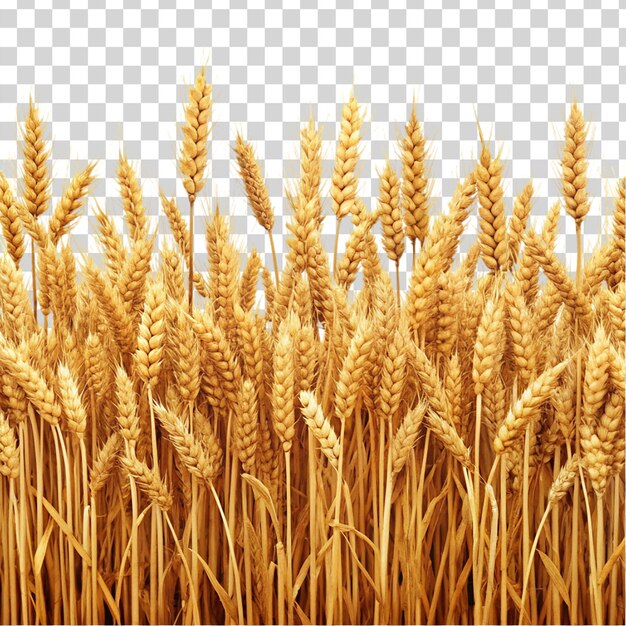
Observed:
{"x":66,"y":211}
{"x":31,"y":381}
{"x":132,"y":198}
{"x":71,"y":401}
{"x":256,"y":191}
{"x":149,"y":353}
{"x":521,"y":210}
{"x":525,"y":409}
{"x":11,"y":223}
{"x":195,"y":458}
{"x":147,"y":481}
{"x":193,"y":156}
{"x":574,"y":163}
{"x":415,"y":186}
{"x":321,"y":427}
{"x":406,"y":437}
{"x":492,"y":220}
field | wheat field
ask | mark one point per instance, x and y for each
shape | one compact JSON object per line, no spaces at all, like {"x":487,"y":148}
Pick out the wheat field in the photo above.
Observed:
{"x":171,"y":452}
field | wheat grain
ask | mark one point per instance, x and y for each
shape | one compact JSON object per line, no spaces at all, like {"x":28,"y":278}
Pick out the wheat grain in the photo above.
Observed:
{"x":112,"y":307}
{"x":217,"y":349}
{"x":550,"y":228}
{"x":172,"y":270}
{"x":618,"y":247}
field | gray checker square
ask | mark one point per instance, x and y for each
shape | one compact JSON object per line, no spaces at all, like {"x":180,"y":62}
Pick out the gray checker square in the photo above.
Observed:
{"x":115,"y":75}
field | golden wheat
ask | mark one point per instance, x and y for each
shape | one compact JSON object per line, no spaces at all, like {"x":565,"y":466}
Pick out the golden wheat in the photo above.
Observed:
{"x":175,"y":449}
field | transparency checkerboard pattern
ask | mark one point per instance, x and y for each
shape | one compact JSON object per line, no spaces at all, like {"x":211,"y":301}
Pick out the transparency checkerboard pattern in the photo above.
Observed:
{"x":107,"y":78}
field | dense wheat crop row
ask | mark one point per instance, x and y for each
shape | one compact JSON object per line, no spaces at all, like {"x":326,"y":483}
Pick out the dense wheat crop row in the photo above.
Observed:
{"x":172,"y":453}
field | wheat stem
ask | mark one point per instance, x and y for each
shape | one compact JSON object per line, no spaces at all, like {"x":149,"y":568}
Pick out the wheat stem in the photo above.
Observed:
{"x":190,"y":257}
{"x":312,"y":458}
{"x":289,"y":546}
{"x":504,"y":574}
{"x":34,"y":275}
{"x":274,"y":258}
{"x":600,"y":554}
{"x":615,"y":542}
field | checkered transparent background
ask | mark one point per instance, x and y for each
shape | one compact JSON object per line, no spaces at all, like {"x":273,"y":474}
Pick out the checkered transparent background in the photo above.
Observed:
{"x":101,"y":75}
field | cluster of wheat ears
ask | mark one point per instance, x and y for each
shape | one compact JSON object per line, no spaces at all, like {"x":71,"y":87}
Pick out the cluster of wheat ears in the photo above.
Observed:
{"x":171,"y":453}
